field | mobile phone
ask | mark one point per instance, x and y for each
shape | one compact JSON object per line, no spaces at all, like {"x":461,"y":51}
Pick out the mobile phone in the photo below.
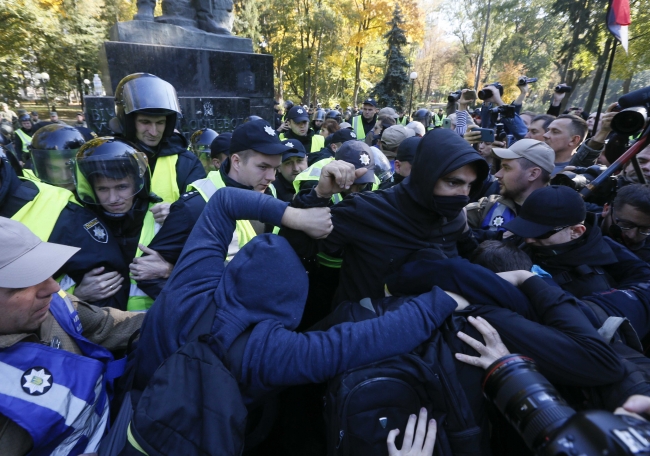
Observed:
{"x":470,"y":95}
{"x":487,"y":134}
{"x":446,"y":123}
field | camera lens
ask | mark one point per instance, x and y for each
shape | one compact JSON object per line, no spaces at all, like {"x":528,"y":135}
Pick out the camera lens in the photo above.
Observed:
{"x":629,"y":121}
{"x":528,"y":401}
{"x":484,"y":93}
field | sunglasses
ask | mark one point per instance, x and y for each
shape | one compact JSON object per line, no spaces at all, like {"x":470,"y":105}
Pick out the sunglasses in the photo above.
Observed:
{"x":552,"y":232}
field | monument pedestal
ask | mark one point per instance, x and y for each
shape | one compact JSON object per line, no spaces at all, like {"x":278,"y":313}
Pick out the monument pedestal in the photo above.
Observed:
{"x":218,"y":79}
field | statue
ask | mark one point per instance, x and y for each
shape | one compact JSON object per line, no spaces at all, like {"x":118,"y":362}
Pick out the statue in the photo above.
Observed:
{"x":212,"y":16}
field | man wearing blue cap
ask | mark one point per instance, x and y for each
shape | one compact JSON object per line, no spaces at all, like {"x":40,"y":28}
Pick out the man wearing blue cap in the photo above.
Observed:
{"x":255,"y":153}
{"x":297,"y":128}
{"x":294,"y":162}
{"x":566,"y":242}
{"x":365,"y":122}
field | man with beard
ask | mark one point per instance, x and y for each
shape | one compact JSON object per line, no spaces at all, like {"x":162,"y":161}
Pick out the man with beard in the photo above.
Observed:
{"x":525,"y":167}
{"x":627,"y":219}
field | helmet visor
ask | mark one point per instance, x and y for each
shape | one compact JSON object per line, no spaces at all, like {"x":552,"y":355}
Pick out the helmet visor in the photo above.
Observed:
{"x":54,"y":167}
{"x":152,"y":95}
{"x":199,"y":149}
{"x":110,"y":181}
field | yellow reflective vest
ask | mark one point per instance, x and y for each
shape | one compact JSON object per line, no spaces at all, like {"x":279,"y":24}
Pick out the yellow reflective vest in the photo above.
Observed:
{"x":317,"y":142}
{"x":244,"y":231}
{"x":163,"y":180}
{"x":357,"y":128}
{"x":25,"y":138}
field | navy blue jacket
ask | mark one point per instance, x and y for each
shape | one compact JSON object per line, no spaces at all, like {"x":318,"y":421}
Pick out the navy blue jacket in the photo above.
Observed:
{"x":69,"y":230}
{"x":251,"y":291}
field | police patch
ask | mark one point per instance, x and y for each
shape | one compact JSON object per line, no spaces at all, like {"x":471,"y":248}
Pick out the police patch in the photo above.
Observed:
{"x":37,"y":381}
{"x":497,"y":221}
{"x":97,"y":231}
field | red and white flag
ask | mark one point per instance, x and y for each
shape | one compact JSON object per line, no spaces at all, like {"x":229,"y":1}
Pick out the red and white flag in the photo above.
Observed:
{"x":618,"y":19}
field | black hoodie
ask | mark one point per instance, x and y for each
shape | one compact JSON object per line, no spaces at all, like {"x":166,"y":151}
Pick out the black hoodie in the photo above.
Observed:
{"x":379,"y":231}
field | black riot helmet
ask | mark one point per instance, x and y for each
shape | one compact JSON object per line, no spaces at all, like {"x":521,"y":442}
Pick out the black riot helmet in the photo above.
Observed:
{"x":423,"y":116}
{"x":53,"y":149}
{"x":319,"y":115}
{"x":288,"y":105}
{"x":334,"y":114}
{"x":144,"y":93}
{"x":109,"y":158}
{"x":201,"y":139}
{"x":252,"y":118}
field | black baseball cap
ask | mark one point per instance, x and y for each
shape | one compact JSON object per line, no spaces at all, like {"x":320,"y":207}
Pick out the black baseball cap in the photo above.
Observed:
{"x":343,"y":135}
{"x":546,"y":209}
{"x":296,"y":149}
{"x":298,"y":114}
{"x":407,"y":149}
{"x":359,"y":154}
{"x":258,"y":135}
{"x":370,"y":101}
{"x":220,"y":145}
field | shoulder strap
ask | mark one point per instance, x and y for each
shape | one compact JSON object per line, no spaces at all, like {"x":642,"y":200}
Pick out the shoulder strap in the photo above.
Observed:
{"x":610,"y":325}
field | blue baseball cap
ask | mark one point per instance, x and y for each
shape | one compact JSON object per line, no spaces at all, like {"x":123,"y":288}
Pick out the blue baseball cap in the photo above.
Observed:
{"x":258,"y":135}
{"x":296,"y":149}
{"x":220,"y":145}
{"x":298,"y":114}
{"x":358,"y":153}
{"x":370,"y":101}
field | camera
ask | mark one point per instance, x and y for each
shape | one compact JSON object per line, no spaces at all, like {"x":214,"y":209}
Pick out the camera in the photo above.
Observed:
{"x":454,"y":96}
{"x":548,"y":425}
{"x":578,"y":178}
{"x":522,"y":81}
{"x":562,"y":89}
{"x":500,"y":133}
{"x":507,"y":111}
{"x":486,"y":92}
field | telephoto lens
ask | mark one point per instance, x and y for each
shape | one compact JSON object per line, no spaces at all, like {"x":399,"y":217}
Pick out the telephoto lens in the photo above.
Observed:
{"x":630,"y":120}
{"x":454,"y":96}
{"x":526,"y":398}
{"x":562,"y":89}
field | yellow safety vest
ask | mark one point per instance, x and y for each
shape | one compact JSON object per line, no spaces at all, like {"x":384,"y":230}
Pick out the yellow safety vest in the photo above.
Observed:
{"x":437,"y":121}
{"x":25,"y":138}
{"x":317,"y":142}
{"x":404,"y":121}
{"x":163,"y":181}
{"x":357,"y":128}
{"x":28,"y":174}
{"x":207,"y":187}
{"x":138,"y":299}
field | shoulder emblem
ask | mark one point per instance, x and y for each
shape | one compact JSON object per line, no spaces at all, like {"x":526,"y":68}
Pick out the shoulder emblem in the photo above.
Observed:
{"x":36,"y":381}
{"x":97,"y":231}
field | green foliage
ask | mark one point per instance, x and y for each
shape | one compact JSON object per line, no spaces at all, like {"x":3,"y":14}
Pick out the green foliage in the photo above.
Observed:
{"x":390,"y":91}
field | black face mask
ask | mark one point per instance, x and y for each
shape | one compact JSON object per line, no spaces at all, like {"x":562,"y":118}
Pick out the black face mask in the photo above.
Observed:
{"x":548,"y":251}
{"x":449,"y":206}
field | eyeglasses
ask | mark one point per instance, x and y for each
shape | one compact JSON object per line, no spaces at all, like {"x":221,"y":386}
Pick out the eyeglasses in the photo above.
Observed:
{"x":552,"y":232}
{"x":626,"y":226}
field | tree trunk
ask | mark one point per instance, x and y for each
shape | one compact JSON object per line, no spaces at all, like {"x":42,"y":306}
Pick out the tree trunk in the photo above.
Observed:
{"x":357,"y":74}
{"x":626,"y":84}
{"x":600,"y":69}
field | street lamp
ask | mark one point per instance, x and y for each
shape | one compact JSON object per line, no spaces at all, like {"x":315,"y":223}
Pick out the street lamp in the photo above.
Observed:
{"x":44,"y":78}
{"x":413,"y":76}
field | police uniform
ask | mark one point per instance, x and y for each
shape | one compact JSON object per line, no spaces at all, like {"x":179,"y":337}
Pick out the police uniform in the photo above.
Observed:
{"x":360,"y":125}
{"x":54,"y":216}
{"x":311,"y":141}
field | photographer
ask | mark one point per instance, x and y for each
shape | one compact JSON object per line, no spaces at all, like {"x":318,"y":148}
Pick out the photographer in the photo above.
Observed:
{"x":556,"y":101}
{"x":514,"y":124}
{"x":463,"y":118}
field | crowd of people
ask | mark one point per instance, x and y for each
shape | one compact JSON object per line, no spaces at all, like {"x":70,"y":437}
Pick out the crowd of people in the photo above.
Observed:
{"x":170,"y":296}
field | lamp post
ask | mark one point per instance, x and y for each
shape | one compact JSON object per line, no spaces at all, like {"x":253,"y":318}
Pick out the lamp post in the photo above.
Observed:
{"x":44,"y":78}
{"x":86,"y":86}
{"x":413,"y":76}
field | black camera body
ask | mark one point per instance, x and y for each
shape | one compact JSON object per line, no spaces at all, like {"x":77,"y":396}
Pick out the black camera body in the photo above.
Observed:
{"x":454,"y":96}
{"x":524,"y":80}
{"x":562,"y":89}
{"x":548,"y":425}
{"x":486,"y":92}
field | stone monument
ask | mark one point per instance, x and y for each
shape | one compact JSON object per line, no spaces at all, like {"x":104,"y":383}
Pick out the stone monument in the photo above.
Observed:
{"x":218,"y":78}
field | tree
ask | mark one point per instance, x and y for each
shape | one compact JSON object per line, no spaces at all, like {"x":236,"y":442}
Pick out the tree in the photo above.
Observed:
{"x":390,"y":91}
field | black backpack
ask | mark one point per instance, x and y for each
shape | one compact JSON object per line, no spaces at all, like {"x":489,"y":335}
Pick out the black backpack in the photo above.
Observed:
{"x":363,"y":405}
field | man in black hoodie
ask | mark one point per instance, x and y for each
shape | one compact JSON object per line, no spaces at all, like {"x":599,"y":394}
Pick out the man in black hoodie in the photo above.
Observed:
{"x":567,"y":244}
{"x":377,"y":232}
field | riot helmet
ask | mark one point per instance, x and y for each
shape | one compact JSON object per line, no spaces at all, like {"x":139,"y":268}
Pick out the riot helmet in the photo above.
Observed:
{"x":103,"y":162}
{"x":53,"y":149}
{"x":200,"y":141}
{"x":423,"y":116}
{"x":288,"y":105}
{"x":319,"y":115}
{"x":334,"y":114}
{"x":144,"y":93}
{"x":252,"y":118}
{"x":383,"y":170}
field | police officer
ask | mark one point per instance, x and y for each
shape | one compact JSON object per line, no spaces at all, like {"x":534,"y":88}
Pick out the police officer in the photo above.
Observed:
{"x":24,"y":136}
{"x":294,"y":161}
{"x":255,"y":153}
{"x":200,"y":142}
{"x":297,"y":128}
{"x":51,"y":353}
{"x":287,"y":107}
{"x":146,"y":113}
{"x":95,"y":274}
{"x":220,"y":150}
{"x":112,"y":180}
{"x":334,"y":115}
{"x":364,"y":123}
{"x":438,"y":117}
{"x":424,"y":117}
{"x":318,"y":119}
{"x":52,"y":151}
